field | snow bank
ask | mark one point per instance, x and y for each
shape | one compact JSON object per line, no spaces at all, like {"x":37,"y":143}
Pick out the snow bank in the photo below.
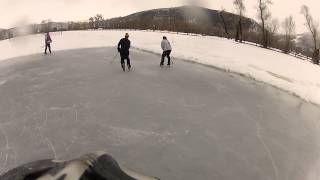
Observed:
{"x":283,"y":71}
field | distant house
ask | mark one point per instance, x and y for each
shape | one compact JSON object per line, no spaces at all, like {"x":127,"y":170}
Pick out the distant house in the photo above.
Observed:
{"x":41,"y":28}
{"x":58,"y":26}
{"x":4,"y":34}
{"x":51,"y":27}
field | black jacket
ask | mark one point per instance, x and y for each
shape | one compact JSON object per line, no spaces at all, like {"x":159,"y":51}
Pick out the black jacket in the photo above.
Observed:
{"x":124,"y":46}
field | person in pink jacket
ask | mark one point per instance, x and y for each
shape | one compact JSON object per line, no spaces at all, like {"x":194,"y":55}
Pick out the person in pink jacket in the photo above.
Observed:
{"x":48,"y":42}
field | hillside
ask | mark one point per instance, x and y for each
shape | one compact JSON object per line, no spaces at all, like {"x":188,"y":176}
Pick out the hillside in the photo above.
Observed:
{"x":190,"y":19}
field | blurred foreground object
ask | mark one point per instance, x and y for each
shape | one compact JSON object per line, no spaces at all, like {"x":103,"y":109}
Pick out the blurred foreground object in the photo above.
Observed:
{"x":97,"y":166}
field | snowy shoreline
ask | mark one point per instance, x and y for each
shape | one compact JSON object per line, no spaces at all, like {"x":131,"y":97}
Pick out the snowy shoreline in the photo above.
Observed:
{"x":285,"y":72}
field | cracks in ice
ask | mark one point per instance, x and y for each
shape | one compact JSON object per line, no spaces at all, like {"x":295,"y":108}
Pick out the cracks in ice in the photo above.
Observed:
{"x":123,"y":136}
{"x":275,"y":169}
{"x":260,"y":138}
{"x":76,"y":115}
{"x":50,"y":145}
{"x":264,"y":144}
{"x":2,"y":82}
{"x":187,"y":105}
{"x":7,"y":148}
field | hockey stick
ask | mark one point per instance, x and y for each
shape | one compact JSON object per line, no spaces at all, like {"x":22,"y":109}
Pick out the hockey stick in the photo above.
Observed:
{"x":114,"y":58}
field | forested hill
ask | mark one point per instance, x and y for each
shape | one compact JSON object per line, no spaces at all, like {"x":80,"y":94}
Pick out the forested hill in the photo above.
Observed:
{"x":191,"y":19}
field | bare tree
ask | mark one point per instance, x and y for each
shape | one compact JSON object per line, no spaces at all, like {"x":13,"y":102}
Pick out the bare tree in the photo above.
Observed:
{"x":221,"y":13}
{"x":98,"y":21}
{"x":240,"y":8}
{"x":264,"y":15}
{"x":275,"y":24}
{"x":313,"y":27}
{"x":45,"y":25}
{"x":271,"y":30}
{"x":289,"y":27}
{"x":91,"y":22}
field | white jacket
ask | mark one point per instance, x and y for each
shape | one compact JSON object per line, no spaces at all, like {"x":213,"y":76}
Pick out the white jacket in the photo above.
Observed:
{"x":165,"y":45}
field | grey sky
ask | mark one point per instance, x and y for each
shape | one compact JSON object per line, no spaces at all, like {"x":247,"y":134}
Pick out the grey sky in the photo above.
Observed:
{"x":17,"y":11}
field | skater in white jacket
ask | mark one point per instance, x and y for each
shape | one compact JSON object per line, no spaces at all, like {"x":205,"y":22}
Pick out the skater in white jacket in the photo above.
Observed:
{"x":166,"y":47}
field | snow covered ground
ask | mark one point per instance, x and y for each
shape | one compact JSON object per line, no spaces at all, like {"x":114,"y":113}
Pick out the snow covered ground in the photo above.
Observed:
{"x":283,"y":71}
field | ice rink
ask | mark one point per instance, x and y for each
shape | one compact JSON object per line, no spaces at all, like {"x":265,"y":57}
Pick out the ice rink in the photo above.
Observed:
{"x":184,"y":122}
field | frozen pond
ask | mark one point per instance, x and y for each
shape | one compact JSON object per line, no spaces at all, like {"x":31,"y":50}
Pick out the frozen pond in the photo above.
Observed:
{"x":184,"y":122}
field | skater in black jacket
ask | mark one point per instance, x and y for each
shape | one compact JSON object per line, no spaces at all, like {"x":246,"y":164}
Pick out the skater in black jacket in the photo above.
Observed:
{"x":123,"y":49}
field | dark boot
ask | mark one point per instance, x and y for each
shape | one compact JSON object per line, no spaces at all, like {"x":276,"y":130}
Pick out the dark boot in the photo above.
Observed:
{"x":129,"y":64}
{"x":123,"y":67}
{"x":162,"y":59}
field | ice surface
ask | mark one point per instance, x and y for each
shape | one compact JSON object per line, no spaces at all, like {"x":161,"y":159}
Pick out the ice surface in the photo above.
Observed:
{"x":280,"y":70}
{"x":185,"y":122}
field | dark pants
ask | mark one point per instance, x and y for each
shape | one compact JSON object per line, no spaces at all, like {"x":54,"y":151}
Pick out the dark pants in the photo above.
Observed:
{"x":125,"y":57}
{"x":166,"y":54}
{"x":47,"y":46}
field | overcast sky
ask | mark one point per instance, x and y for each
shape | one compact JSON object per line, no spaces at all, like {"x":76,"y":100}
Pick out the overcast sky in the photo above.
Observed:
{"x":33,"y":11}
